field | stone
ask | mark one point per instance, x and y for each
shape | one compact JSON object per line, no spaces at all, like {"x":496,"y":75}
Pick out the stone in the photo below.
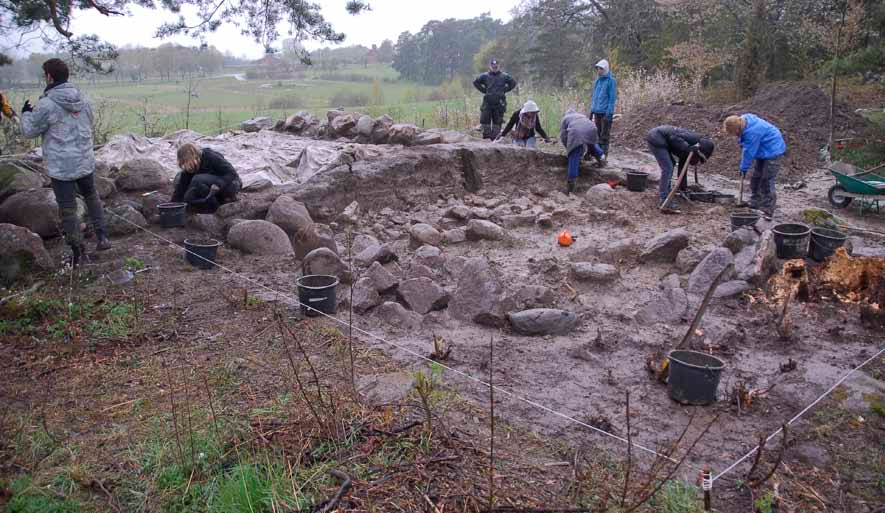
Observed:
{"x":125,"y":220}
{"x":382,"y":389}
{"x":364,"y":126}
{"x":731,"y":289}
{"x":600,"y":273}
{"x":365,"y":294}
{"x":350,"y":214}
{"x":543,"y":321}
{"x":764,"y":262}
{"x":324,"y":261}
{"x":380,"y":253}
{"x":601,"y":192}
{"x":518,"y":220}
{"x":455,"y":265}
{"x":343,"y":125}
{"x":256,"y":124}
{"x":262,"y":184}
{"x":666,"y":246}
{"x":426,"y":138}
{"x":858,"y":247}
{"x":398,"y":316}
{"x":743,"y":263}
{"x":545,"y":221}
{"x":361,"y":241}
{"x":671,"y":281}
{"x":259,"y":237}
{"x":430,"y":256}
{"x":421,"y":234}
{"x":739,"y":239}
{"x":479,"y":294}
{"x":382,"y":279}
{"x":142,"y":175}
{"x":689,"y":258}
{"x":456,"y":236}
{"x":670,"y":307}
{"x":420,"y":271}
{"x":289,"y":214}
{"x":105,"y":187}
{"x":208,"y":223}
{"x":618,"y":250}
{"x":423,"y":295}
{"x":706,"y":272}
{"x":535,"y":296}
{"x":315,"y":236}
{"x":478,"y":229}
{"x":459,"y":212}
{"x":402,"y":133}
{"x":299,"y":121}
{"x":15,"y":176}
{"x":34,"y":209}
{"x":21,"y":251}
{"x":381,"y":129}
{"x":481,"y":213}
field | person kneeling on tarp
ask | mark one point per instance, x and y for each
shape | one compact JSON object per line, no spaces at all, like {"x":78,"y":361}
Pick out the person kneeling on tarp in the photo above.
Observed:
{"x":207,"y":180}
{"x":669,"y":143}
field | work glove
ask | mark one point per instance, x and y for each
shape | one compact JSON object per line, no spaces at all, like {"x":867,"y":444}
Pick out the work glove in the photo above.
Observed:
{"x":744,"y":172}
{"x":27,"y":107}
{"x":694,"y":148}
{"x":214,"y":190}
{"x":5,"y":108}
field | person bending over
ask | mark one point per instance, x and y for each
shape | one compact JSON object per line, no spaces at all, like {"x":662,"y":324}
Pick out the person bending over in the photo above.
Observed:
{"x":578,"y":134}
{"x":207,"y":180}
{"x":669,"y":143}
{"x":527,"y":121}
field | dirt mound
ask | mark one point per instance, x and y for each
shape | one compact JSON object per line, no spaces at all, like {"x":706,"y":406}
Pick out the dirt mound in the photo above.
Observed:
{"x":801,"y":111}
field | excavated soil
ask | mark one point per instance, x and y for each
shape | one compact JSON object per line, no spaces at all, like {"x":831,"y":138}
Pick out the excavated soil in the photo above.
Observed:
{"x":801,"y":111}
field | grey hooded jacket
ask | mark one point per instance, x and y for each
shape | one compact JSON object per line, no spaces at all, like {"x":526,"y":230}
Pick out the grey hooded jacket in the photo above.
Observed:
{"x":64,"y":118}
{"x":577,"y":130}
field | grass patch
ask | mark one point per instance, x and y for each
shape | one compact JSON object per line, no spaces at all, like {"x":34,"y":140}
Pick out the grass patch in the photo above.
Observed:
{"x":679,"y":497}
{"x":27,"y":498}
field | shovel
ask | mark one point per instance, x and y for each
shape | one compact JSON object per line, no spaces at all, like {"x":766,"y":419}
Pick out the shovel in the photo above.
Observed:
{"x":124,"y":276}
{"x":741,"y":203}
{"x":664,"y":372}
{"x":664,"y":208}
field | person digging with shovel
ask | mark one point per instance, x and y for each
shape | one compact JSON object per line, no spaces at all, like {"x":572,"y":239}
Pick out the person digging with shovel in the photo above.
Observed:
{"x":763,"y":143}
{"x":671,"y":143}
{"x":207,"y":180}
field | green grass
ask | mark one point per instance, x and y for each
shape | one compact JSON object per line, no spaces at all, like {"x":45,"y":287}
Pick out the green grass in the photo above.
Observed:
{"x":679,"y":497}
{"x":27,"y":498}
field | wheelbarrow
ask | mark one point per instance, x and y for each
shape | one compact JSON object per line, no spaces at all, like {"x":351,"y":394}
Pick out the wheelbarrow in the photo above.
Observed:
{"x":868,"y":187}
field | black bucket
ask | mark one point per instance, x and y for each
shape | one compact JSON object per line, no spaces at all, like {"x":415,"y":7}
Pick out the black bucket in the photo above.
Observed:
{"x":171,"y":214}
{"x":824,"y":243}
{"x":317,"y":291}
{"x":197,"y":248}
{"x":636,"y":181}
{"x":741,"y":219}
{"x":694,"y":377}
{"x":791,"y":240}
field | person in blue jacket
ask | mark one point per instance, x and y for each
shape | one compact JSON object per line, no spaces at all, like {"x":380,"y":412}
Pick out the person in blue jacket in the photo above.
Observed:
{"x":602,"y":105}
{"x":763,"y":142}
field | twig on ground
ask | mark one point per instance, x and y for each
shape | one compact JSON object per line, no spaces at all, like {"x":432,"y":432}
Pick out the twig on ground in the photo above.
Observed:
{"x":629,"y":455}
{"x":332,"y":503}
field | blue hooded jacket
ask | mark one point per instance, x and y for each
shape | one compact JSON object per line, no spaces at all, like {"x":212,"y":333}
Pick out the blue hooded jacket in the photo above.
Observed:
{"x":760,"y":140}
{"x":605,"y":92}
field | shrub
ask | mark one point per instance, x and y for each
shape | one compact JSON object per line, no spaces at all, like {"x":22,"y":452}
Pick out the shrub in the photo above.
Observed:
{"x":638,"y":88}
{"x":348,"y":99}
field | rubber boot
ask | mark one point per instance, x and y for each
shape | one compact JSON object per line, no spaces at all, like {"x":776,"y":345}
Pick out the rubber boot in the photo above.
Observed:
{"x":103,"y":244}
{"x":571,"y":186}
{"x":78,"y":252}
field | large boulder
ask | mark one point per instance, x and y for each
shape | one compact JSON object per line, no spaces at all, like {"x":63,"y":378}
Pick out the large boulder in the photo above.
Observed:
{"x":365,"y":295}
{"x":690,"y":257}
{"x":104,"y":187}
{"x":402,"y":133}
{"x":382,"y":279}
{"x":600,"y":273}
{"x":208,"y":223}
{"x":543,"y":321}
{"x":343,"y":125}
{"x":34,"y":209}
{"x":314,"y":236}
{"x":380,"y":253}
{"x":670,"y":307}
{"x":479,"y":295}
{"x":398,"y":316}
{"x":15,"y":177}
{"x":665,"y":247}
{"x":141,"y":175}
{"x":21,"y":250}
{"x":123,"y":220}
{"x":431,"y":256}
{"x":731,"y":289}
{"x":323,"y":261}
{"x":423,"y":295}
{"x":361,"y":241}
{"x":298,"y":122}
{"x":259,"y":237}
{"x":764,"y":261}
{"x":478,"y":229}
{"x":421,"y":234}
{"x":739,"y":239}
{"x":381,"y":129}
{"x":289,"y":214}
{"x":257,"y":124}
{"x":364,"y":126}
{"x":706,"y":272}
{"x":246,"y":207}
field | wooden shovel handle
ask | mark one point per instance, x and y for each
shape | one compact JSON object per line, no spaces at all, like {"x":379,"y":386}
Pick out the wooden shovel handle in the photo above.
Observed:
{"x":682,"y":173}
{"x":703,"y":307}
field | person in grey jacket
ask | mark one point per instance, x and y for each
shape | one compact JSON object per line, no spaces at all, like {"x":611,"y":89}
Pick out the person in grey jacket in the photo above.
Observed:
{"x":579,"y":136}
{"x":63,"y":117}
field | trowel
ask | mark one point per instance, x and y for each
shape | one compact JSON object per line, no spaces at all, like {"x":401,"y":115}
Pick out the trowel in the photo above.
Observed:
{"x":124,"y":276}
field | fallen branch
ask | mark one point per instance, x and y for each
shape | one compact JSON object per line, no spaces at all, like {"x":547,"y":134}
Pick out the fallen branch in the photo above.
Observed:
{"x":25,"y":292}
{"x":331,"y":504}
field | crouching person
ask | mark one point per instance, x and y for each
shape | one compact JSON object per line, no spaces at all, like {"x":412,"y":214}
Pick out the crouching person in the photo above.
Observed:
{"x":670,"y":144}
{"x":207,"y":180}
{"x":763,"y":142}
{"x":578,"y":134}
{"x":527,"y":122}
{"x":63,"y":117}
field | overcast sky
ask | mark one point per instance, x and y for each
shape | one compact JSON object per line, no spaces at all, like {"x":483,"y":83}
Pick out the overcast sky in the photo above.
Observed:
{"x":386,"y":20}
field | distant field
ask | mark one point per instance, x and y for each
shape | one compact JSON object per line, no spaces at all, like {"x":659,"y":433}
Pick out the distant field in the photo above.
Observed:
{"x":223,"y":102}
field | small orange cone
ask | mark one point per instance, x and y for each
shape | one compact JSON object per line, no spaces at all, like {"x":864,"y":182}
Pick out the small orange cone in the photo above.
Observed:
{"x":565,"y":238}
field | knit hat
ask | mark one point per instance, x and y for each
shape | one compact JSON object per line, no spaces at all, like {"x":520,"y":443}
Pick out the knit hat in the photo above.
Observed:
{"x":707,"y":146}
{"x":529,"y":106}
{"x":733,"y":124}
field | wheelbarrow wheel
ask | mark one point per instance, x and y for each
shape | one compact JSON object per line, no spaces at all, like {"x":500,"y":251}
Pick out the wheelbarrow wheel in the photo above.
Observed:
{"x":837,"y":196}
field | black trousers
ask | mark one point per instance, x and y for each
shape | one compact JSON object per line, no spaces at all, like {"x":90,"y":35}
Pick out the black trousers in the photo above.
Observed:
{"x":604,"y":128}
{"x":491,"y":117}
{"x":66,"y":198}
{"x":199,"y":192}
